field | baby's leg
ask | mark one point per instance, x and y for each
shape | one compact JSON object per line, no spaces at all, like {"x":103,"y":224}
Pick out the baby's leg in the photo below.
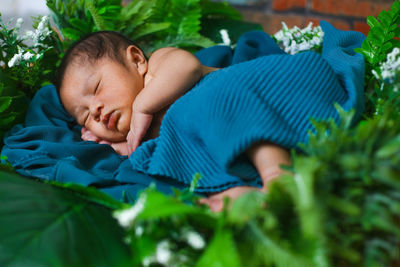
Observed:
{"x":267,"y":159}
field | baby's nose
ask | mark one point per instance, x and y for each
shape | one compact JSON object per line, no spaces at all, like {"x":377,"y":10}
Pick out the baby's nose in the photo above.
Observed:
{"x":95,"y":111}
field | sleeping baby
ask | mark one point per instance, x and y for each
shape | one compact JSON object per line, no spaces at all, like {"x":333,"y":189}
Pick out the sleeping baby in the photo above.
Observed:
{"x":120,"y":98}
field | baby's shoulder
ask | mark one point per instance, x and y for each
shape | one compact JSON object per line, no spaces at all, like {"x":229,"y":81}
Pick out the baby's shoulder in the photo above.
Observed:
{"x":160,"y":54}
{"x":168,"y":57}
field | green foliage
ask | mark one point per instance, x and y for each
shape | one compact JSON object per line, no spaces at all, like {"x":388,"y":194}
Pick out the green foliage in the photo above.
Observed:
{"x":43,"y":225}
{"x":76,"y":18}
{"x":24,"y":68}
{"x":358,"y":180}
{"x":341,"y":206}
{"x":380,"y":41}
{"x":151,"y":24}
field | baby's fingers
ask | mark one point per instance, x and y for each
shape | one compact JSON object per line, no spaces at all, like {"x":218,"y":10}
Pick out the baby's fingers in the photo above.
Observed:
{"x":215,"y":204}
{"x":133,"y":142}
{"x":88,"y":135}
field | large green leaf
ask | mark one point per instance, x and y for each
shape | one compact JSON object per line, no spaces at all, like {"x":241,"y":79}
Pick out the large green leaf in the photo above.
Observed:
{"x":45,"y":225}
{"x":221,"y":251}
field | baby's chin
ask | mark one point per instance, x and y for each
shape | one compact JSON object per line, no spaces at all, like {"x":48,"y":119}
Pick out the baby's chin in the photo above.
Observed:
{"x":114,"y":137}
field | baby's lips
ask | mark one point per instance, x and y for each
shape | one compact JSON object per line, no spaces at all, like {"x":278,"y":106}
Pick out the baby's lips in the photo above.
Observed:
{"x":105,"y":118}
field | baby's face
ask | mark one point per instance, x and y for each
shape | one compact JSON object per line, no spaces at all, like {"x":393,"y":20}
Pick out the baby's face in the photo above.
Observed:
{"x":100,"y":96}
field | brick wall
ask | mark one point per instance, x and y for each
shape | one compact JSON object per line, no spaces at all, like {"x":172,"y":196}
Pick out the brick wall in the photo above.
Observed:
{"x":343,"y":14}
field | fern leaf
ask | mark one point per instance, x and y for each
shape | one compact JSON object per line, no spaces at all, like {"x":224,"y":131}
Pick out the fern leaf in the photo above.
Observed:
{"x":274,"y":253}
{"x":185,"y":41}
{"x":219,"y":10}
{"x":136,"y":15}
{"x":98,"y":21}
{"x":382,"y":31}
{"x":149,"y":28}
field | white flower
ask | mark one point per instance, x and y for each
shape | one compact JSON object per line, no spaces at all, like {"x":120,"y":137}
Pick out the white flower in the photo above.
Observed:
{"x":163,"y":254}
{"x":18,"y":24}
{"x":139,"y":231}
{"x":195,"y":240}
{"x":147,"y":261}
{"x":279,"y":35}
{"x":386,"y":74}
{"x":391,"y":67}
{"x":126,"y":217}
{"x":43,"y":23}
{"x":16,"y":59}
{"x":284,"y":26}
{"x":295,"y":40}
{"x":28,"y":55}
{"x":40,"y":34}
{"x":315,"y":40}
{"x":225,"y":37}
{"x":29,"y":35}
{"x":375,"y":74}
{"x":305,"y":46}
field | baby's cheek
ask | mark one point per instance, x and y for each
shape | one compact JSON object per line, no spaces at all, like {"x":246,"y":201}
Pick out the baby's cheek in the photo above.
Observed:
{"x":124,"y":124}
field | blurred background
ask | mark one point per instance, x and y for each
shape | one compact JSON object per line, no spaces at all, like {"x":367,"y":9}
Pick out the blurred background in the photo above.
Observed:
{"x":343,"y":14}
{"x":22,"y":9}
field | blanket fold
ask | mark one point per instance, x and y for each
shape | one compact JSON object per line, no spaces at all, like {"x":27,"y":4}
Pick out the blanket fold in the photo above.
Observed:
{"x":261,"y":94}
{"x":270,"y":98}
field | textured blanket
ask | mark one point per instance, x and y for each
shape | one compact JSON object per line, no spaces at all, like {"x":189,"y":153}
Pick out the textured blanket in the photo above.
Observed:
{"x":262,"y":94}
{"x":269,"y":98}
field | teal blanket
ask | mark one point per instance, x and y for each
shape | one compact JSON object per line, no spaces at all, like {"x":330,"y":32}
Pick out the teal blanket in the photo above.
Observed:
{"x":270,"y":98}
{"x":261,"y":94}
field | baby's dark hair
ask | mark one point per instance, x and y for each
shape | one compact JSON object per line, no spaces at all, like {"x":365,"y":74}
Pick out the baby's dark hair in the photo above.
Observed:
{"x":93,"y":47}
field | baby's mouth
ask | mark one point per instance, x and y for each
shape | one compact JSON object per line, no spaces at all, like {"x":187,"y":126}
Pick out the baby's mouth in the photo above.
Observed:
{"x":110,"y":120}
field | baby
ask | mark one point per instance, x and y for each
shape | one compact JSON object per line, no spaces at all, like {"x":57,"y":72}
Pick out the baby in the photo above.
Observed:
{"x":119,"y":98}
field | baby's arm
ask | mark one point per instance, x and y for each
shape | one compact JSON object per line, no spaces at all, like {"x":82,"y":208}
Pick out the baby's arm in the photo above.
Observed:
{"x":171,"y":73}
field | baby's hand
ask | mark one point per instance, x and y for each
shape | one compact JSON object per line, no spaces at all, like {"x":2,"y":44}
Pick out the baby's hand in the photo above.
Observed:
{"x":121,"y":147}
{"x":216,"y":201}
{"x":140,"y":123}
{"x":87,"y":135}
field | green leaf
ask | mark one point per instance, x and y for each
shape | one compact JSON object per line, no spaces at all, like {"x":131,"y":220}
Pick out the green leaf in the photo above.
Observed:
{"x":388,"y":46}
{"x":79,"y":24}
{"x":158,"y":205}
{"x":246,"y":207}
{"x":275,"y":253}
{"x":43,"y":225}
{"x":373,"y":22}
{"x":97,"y":19}
{"x":149,"y":29}
{"x":385,"y":18}
{"x":71,"y":34}
{"x":91,"y":194}
{"x":219,"y":10}
{"x":221,"y":251}
{"x":6,"y":119}
{"x":5,"y":102}
{"x":389,"y":149}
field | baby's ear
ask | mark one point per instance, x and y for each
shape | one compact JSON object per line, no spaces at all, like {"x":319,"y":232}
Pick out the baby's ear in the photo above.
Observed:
{"x":135,"y":56}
